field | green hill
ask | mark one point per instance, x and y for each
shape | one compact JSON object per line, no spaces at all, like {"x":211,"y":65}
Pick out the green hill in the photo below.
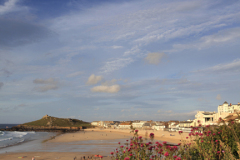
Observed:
{"x":48,"y":121}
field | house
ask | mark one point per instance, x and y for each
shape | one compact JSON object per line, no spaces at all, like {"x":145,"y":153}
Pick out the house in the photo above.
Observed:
{"x":205,"y":118}
{"x":124,"y":125}
{"x":186,"y":124}
{"x":173,"y":123}
{"x":138,"y":124}
{"x":101,"y":124}
{"x":226,"y":109}
{"x":158,"y":127}
{"x":94,"y":123}
{"x":147,"y":126}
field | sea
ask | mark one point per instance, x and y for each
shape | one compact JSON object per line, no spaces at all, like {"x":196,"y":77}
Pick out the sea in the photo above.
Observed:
{"x":11,"y":140}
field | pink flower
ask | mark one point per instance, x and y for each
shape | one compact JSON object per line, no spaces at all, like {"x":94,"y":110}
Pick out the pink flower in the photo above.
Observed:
{"x":121,"y":146}
{"x":218,"y":152}
{"x":127,"y":140}
{"x":186,"y":137}
{"x":130,"y":154}
{"x":180,"y":132}
{"x":202,"y":141}
{"x":199,"y":125}
{"x":112,"y":153}
{"x":166,"y":154}
{"x":178,"y":158}
{"x":164,"y":142}
{"x":179,"y":144}
{"x":219,"y":132}
{"x":140,"y":137}
{"x":136,"y":130}
{"x":216,"y":141}
{"x":124,"y":151}
{"x":126,"y":158}
{"x":151,"y":135}
{"x":118,"y":142}
{"x":213,"y":134}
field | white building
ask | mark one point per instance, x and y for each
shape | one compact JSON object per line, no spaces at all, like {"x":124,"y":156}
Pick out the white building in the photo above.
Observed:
{"x":94,"y":123}
{"x":158,"y":127}
{"x":138,"y":124}
{"x":211,"y":118}
{"x":124,"y":125}
{"x":205,"y":118}
{"x":228,"y":108}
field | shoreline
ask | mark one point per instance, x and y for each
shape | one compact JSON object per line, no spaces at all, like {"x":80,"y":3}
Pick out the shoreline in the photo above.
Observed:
{"x":91,"y":142}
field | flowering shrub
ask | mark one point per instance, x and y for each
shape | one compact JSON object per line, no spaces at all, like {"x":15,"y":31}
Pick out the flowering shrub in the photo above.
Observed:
{"x":218,"y":142}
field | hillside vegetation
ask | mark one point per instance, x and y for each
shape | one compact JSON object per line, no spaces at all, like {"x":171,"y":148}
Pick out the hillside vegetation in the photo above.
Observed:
{"x":48,"y":121}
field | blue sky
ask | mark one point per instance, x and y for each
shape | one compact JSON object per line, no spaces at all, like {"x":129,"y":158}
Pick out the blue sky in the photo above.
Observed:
{"x":117,"y":60}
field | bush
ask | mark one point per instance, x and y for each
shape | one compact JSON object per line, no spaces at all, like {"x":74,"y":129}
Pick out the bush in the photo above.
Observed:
{"x":215,"y":142}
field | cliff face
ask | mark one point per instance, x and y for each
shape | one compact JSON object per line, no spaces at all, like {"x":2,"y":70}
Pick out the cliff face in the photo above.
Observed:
{"x":52,"y":124}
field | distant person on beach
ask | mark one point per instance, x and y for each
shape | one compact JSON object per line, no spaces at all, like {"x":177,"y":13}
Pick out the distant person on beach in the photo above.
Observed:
{"x":33,"y":158}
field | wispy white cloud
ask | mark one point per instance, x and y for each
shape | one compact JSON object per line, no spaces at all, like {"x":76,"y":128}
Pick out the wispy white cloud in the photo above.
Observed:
{"x":222,"y":37}
{"x":46,"y":85}
{"x":116,"y":64}
{"x":116,"y":47}
{"x":107,"y":89}
{"x":94,"y":79}
{"x":11,"y":6}
{"x":225,"y":67}
{"x":132,"y":51}
{"x":75,"y":74}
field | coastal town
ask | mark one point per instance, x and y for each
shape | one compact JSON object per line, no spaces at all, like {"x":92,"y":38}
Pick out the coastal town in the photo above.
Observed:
{"x":226,"y":112}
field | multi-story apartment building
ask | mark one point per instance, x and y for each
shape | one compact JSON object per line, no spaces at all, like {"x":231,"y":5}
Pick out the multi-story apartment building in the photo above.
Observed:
{"x":205,"y":118}
{"x":211,"y":118}
{"x":228,"y":108}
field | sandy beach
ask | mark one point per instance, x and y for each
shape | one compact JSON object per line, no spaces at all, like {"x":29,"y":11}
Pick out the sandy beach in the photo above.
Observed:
{"x":86,"y":136}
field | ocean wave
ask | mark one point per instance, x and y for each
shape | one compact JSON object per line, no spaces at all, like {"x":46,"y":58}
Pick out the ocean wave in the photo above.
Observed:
{"x":19,"y":134}
{"x":5,"y":139}
{"x":2,"y":133}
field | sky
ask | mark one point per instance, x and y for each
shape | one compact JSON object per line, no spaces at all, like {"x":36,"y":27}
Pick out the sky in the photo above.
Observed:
{"x":117,"y":59}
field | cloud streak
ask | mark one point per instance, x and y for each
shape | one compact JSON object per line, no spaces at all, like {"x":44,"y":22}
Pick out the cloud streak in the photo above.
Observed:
{"x":106,"y":89}
{"x":46,"y":85}
{"x":231,"y":67}
{"x":11,"y":6}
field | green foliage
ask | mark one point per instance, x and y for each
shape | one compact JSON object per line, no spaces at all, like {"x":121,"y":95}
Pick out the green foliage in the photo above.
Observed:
{"x":215,"y":142}
{"x":60,"y":122}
